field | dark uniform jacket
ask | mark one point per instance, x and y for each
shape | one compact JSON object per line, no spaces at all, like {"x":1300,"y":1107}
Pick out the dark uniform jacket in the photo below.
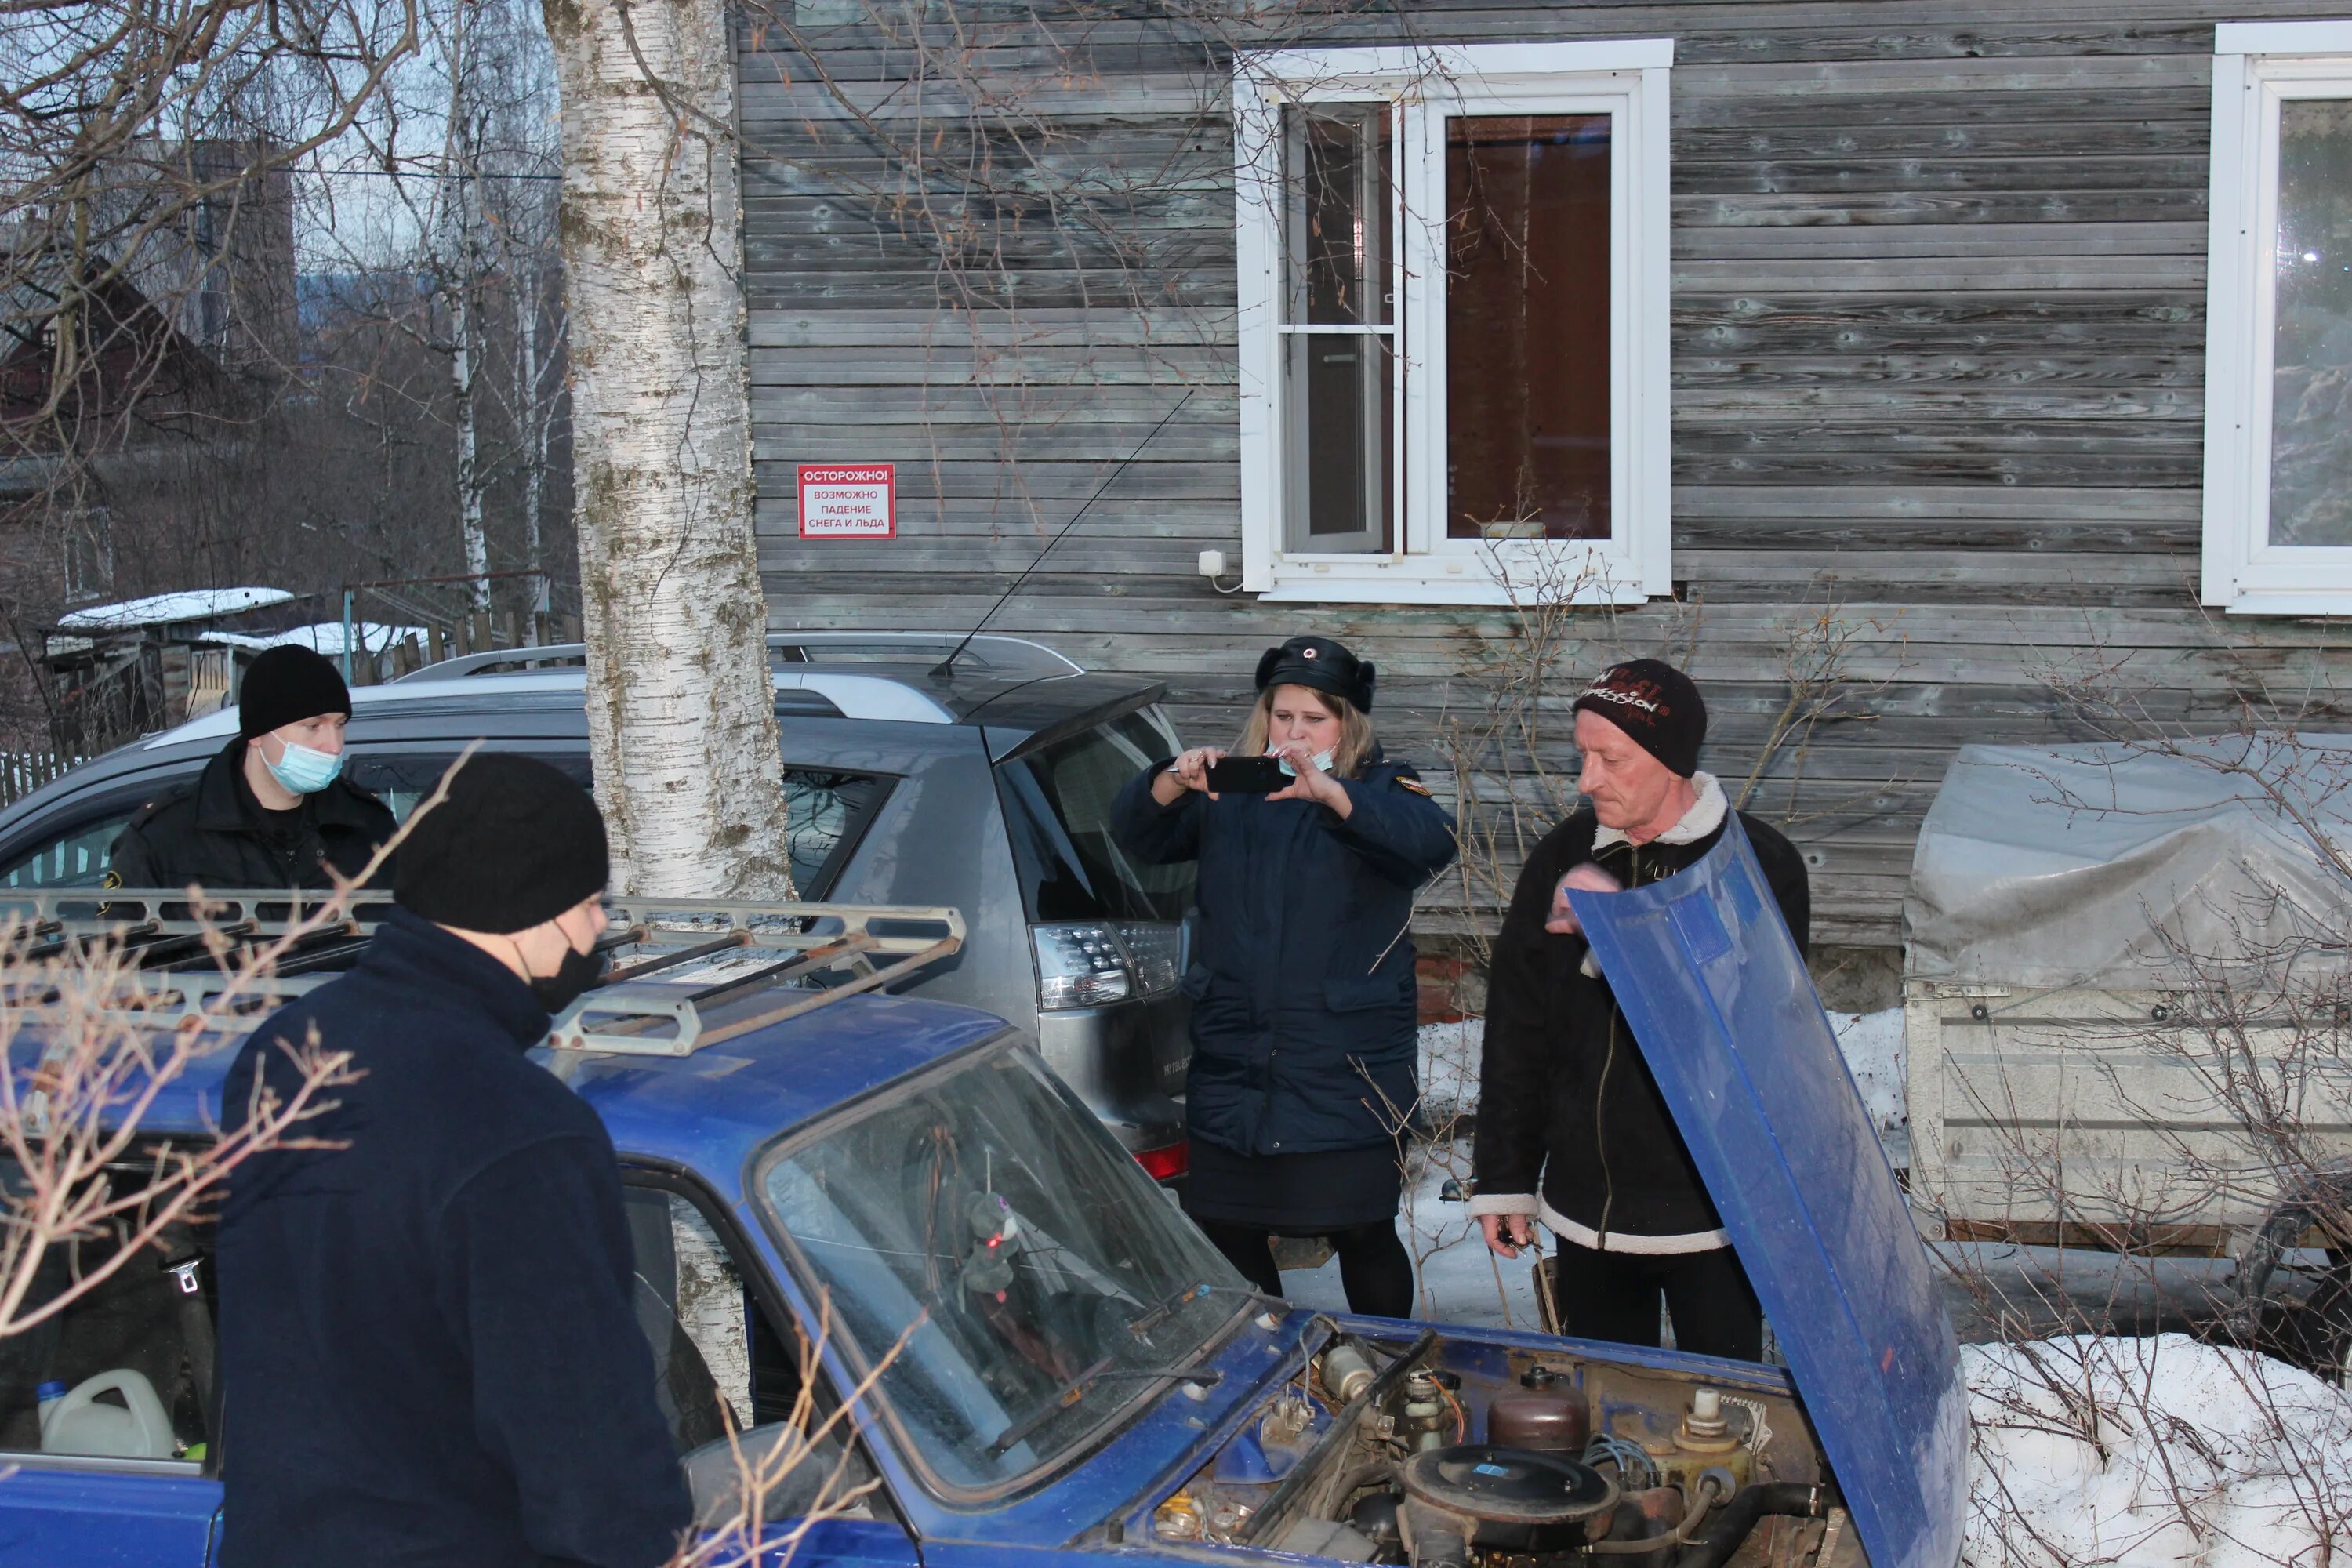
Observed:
{"x":1302,"y":978}
{"x":215,"y":833}
{"x":428,"y":1351}
{"x":1564,"y":1092}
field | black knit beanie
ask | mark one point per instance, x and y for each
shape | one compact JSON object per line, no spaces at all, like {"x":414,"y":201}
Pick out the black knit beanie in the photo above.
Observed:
{"x":1321,"y":663}
{"x":516,"y":843}
{"x":1655,"y":703}
{"x":285,"y":686}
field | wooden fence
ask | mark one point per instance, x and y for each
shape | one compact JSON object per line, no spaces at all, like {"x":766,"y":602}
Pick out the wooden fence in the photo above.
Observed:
{"x":22,"y":773}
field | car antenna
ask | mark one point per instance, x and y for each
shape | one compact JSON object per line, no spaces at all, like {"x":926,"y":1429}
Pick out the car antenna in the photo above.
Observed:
{"x":945,"y":666}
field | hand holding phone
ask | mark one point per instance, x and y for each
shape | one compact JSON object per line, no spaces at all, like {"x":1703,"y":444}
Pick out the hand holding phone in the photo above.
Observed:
{"x":1247,"y":775}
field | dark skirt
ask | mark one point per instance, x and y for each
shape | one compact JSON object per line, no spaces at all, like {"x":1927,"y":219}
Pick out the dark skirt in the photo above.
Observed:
{"x":1294,"y":1194}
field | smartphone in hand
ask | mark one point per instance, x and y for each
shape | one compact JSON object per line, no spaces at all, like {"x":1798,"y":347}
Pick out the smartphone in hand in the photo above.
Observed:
{"x":1247,"y":775}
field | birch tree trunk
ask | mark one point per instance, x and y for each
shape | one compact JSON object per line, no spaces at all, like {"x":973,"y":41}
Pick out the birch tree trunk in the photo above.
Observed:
{"x":681,"y":716}
{"x":469,"y":477}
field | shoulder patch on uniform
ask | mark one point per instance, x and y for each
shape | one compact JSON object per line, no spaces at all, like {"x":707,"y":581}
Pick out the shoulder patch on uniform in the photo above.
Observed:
{"x":113,"y":879}
{"x":146,"y":813}
{"x":1412,"y":784}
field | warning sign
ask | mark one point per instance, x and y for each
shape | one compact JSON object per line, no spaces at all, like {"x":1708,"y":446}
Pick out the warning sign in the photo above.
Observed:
{"x":842,"y":502}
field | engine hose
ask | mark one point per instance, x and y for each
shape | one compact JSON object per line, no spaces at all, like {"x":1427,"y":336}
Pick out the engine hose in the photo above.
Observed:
{"x":1724,"y":1536}
{"x":1346,"y":1483}
{"x":1704,"y":1496}
{"x":1438,"y":1542}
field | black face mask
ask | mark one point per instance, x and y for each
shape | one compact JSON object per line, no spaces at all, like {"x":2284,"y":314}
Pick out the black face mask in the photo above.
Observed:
{"x":579,"y":973}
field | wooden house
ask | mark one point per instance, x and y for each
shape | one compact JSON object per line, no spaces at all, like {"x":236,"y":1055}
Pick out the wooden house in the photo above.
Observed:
{"x":1917,"y":374}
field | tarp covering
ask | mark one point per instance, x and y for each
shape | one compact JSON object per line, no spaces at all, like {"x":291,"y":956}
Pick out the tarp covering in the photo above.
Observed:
{"x":2128,"y":865}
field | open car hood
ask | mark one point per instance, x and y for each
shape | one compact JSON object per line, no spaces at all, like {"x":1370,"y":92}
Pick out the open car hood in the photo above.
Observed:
{"x":1720,"y":1000}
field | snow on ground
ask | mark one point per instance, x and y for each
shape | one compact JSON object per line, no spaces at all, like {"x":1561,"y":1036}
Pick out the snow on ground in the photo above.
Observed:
{"x":2152,"y":1453}
{"x":1874,"y":1054}
{"x":1461,"y":1281}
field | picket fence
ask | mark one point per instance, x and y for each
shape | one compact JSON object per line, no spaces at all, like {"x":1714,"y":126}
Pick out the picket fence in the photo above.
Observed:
{"x":22,"y":773}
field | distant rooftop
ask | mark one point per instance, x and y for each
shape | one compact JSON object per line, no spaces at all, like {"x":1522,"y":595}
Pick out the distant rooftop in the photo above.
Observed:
{"x":167,"y":609}
{"x":321,"y":636}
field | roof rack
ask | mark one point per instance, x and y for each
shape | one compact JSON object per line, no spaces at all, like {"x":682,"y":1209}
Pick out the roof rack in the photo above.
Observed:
{"x":988,"y":650}
{"x":686,"y":973}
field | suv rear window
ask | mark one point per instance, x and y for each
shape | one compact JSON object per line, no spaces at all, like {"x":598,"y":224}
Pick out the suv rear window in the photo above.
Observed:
{"x":1057,"y":803}
{"x":826,"y":809}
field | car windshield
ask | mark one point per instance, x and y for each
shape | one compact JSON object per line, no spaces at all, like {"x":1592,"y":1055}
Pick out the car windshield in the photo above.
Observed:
{"x":1038,"y":1276}
{"x":1057,"y":802}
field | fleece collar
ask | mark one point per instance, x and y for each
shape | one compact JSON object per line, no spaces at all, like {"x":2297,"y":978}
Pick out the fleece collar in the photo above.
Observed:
{"x":1705,"y":815}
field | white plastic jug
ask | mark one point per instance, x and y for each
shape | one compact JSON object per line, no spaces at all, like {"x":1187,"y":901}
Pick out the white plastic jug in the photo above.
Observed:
{"x":138,"y":1428}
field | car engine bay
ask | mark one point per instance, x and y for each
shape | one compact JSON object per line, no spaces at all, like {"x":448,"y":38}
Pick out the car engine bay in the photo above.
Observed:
{"x":1432,"y":1454}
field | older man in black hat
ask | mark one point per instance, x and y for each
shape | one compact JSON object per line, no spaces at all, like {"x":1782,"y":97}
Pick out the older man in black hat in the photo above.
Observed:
{"x":428,"y":1350}
{"x":273,"y":809}
{"x":1571,"y":1128}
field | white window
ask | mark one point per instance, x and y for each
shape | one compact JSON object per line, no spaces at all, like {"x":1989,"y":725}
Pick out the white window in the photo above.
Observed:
{"x":2278,"y":347}
{"x":1453,"y":316}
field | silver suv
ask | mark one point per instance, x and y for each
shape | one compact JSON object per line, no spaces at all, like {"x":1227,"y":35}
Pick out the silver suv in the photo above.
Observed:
{"x":988,"y":788}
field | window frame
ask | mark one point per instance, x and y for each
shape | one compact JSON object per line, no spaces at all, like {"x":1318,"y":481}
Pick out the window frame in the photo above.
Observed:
{"x":2257,"y":68}
{"x":77,"y":813}
{"x":1424,"y":87}
{"x":145,"y":1146}
{"x":853,"y":833}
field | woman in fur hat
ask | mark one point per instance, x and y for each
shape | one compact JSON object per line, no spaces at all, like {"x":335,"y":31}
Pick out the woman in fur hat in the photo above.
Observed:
{"x":1302,"y":1089}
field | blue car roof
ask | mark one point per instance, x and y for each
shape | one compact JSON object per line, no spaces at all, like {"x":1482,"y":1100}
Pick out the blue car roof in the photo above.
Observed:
{"x":1719,"y":999}
{"x":709,"y":1112}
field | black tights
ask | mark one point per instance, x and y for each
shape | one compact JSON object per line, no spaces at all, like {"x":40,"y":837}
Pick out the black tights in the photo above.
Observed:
{"x":1374,"y":1267}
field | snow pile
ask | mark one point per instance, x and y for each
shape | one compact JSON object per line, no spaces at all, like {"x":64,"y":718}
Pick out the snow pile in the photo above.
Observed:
{"x":1874,"y":1053}
{"x":163,"y":609}
{"x":2152,"y":1453}
{"x":1449,"y":1072}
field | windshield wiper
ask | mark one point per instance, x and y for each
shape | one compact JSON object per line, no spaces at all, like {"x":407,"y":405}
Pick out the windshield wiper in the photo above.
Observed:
{"x":1070,"y":1393}
{"x":1143,"y":1324}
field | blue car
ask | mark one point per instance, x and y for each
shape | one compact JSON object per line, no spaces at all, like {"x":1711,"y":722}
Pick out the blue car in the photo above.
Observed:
{"x":1058,"y":1370}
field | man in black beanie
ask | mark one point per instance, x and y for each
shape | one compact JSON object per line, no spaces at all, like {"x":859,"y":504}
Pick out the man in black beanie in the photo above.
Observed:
{"x":273,"y":809}
{"x":428,"y":1351}
{"x":1571,"y":1128}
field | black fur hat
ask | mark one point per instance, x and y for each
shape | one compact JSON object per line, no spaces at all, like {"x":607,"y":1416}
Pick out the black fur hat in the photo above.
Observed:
{"x":1322,"y":664}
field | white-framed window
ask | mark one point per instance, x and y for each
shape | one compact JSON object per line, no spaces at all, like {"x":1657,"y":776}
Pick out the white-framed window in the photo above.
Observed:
{"x":2278,"y":347}
{"x":1453,"y":287}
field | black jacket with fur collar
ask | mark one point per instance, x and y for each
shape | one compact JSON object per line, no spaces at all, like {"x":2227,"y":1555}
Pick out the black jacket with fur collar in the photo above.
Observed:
{"x":1571,"y":1126}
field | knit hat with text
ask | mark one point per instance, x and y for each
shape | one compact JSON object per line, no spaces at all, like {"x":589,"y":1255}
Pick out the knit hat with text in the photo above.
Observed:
{"x":1655,"y":703}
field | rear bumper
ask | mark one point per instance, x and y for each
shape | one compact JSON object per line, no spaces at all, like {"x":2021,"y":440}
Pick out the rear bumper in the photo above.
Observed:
{"x":1126,"y":1061}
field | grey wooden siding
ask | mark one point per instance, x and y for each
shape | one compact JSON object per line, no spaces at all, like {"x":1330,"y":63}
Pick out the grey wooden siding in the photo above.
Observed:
{"x":1937,"y":363}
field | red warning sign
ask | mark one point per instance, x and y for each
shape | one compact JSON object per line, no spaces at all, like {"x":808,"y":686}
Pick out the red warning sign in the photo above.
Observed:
{"x":844,"y":501}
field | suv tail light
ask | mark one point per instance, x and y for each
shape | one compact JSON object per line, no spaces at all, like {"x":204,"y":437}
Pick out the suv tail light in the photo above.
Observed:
{"x":1167,"y":1163}
{"x":1086,"y":964}
{"x":1157,"y":951}
{"x":1079,"y":967}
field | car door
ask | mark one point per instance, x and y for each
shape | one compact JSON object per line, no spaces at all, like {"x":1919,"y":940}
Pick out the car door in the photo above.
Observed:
{"x":728,"y":1353}
{"x":119,"y":1471}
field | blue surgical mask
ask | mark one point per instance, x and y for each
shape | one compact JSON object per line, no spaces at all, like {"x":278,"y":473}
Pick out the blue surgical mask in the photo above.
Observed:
{"x":304,"y":770}
{"x":1322,"y":763}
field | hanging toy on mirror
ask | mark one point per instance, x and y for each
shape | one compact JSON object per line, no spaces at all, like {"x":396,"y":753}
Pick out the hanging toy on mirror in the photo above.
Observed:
{"x":996,"y":1236}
